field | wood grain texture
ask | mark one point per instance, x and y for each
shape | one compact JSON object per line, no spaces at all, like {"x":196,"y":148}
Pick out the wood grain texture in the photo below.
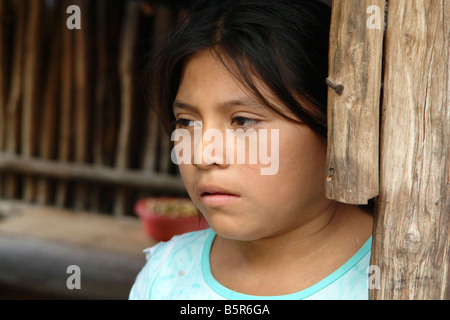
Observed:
{"x":411,"y":239}
{"x":353,"y":113}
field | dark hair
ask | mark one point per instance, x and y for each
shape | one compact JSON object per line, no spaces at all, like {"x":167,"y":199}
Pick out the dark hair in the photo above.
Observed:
{"x":283,"y":43}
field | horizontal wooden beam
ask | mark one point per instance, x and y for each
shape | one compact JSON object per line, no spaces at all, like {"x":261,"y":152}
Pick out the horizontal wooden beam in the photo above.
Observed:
{"x":90,"y":173}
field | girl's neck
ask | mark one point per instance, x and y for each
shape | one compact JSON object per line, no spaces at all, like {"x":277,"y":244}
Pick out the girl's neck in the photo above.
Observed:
{"x":301,"y":240}
{"x":305,"y":254}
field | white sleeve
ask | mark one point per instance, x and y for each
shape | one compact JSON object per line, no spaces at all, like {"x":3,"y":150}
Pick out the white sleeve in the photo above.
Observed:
{"x":142,"y":287}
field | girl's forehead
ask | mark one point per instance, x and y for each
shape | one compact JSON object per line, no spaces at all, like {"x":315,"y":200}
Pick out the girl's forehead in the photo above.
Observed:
{"x":209,"y":70}
{"x":206,"y":76}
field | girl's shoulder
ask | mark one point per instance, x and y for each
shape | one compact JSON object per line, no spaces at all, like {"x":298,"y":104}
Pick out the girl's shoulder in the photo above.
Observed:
{"x":167,"y":262}
{"x":183,"y":242}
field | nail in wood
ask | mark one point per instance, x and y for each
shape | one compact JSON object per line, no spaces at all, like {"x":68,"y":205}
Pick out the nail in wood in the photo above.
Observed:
{"x":339,"y":88}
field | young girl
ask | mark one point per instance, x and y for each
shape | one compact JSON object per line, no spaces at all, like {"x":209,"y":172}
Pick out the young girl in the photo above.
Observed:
{"x":256,"y":65}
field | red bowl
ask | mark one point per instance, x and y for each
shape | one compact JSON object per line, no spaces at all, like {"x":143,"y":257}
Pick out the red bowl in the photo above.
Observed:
{"x":162,"y":227}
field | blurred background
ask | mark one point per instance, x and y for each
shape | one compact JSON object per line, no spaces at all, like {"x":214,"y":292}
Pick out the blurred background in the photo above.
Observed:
{"x":75,"y":130}
{"x":78,"y":144}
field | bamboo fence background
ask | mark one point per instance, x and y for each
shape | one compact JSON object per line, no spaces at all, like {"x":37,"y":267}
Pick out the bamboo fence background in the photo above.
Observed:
{"x":75,"y":129}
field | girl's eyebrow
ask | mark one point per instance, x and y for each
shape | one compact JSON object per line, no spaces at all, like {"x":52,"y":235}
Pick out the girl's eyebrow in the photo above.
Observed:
{"x":182,"y":105}
{"x":227,"y":104}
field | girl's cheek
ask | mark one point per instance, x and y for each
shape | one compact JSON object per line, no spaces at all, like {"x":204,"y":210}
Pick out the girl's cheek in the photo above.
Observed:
{"x":187,"y":173}
{"x":258,"y":152}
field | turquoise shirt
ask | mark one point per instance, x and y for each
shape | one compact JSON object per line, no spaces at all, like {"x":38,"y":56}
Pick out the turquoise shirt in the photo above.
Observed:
{"x":180,"y":269}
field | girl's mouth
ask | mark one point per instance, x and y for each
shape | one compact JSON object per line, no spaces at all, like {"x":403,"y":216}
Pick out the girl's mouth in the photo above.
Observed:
{"x":212,"y":196}
{"x":218,"y":199}
{"x":216,"y":193}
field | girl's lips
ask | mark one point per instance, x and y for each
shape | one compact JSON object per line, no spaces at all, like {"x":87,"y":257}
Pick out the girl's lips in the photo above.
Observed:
{"x":214,"y":196}
{"x":218,"y":199}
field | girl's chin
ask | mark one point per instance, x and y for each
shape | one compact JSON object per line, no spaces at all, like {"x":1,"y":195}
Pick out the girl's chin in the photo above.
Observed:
{"x":236,"y":232}
{"x":234,"y":224}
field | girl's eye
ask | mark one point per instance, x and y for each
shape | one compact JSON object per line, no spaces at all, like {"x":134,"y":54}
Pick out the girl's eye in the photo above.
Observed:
{"x":185,"y":123}
{"x":244,"y":122}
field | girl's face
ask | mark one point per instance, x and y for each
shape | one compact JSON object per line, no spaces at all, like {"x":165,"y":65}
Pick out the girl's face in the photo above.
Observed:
{"x":236,"y":199}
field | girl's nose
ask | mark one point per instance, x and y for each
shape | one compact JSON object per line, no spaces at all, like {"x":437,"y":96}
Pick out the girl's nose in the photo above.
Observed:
{"x":209,"y":148}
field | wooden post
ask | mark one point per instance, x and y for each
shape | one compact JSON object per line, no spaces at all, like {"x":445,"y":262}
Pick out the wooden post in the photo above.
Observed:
{"x":412,"y":227}
{"x":353,"y":102}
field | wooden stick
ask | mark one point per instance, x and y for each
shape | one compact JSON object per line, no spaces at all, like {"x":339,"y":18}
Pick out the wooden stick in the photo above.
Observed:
{"x":101,"y":78}
{"x":4,"y":62}
{"x":4,"y":59}
{"x":126,"y":73}
{"x":66,"y":103}
{"x":163,"y":23}
{"x":47,"y":141}
{"x":100,"y":97}
{"x":15,"y":95}
{"x":30,"y":94}
{"x":353,"y":102}
{"x":155,"y":135}
{"x":82,"y":101}
{"x":411,"y":244}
